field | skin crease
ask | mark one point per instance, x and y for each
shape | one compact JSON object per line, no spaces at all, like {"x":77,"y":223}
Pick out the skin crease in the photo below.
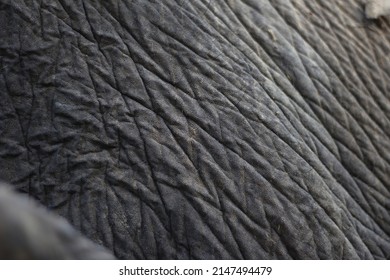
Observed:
{"x":29,"y":231}
{"x":238,"y":129}
{"x":377,"y":8}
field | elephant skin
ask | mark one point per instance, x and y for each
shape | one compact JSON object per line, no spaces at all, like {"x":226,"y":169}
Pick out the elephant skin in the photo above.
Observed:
{"x":28,"y":231}
{"x":250,"y":129}
{"x":377,"y":8}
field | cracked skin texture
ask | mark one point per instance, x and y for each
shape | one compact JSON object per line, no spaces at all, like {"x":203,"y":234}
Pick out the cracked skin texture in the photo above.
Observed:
{"x":202,"y":129}
{"x":28,"y":231}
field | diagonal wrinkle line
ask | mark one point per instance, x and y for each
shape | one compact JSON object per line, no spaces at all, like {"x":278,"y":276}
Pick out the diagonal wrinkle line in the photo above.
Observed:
{"x":358,"y":124}
{"x":372,"y":99}
{"x":93,"y":31}
{"x":290,"y":177}
{"x":127,"y":228}
{"x":146,"y":151}
{"x":292,"y":101}
{"x":191,"y":203}
{"x":226,"y":220}
{"x":211,"y":228}
{"x":379,"y":59}
{"x":144,"y":202}
{"x":353,"y":152}
{"x":352,"y":116}
{"x":373,"y":144}
{"x":365,"y":133}
{"x":25,"y":142}
{"x":373,"y":193}
{"x":184,"y":152}
{"x":233,"y":236}
{"x":108,"y":206}
{"x":369,"y":205}
{"x":329,"y":68}
{"x":136,"y":64}
{"x":370,"y":229}
{"x":249,"y":120}
{"x":313,"y":135}
{"x":143,"y":137}
{"x":344,"y":232}
{"x":232,"y":44}
{"x":307,"y":190}
{"x":193,"y":51}
{"x":71,"y":27}
{"x":254,"y":51}
{"x":247,"y":214}
{"x":346,"y":212}
{"x":350,"y":62}
{"x":361,"y":45}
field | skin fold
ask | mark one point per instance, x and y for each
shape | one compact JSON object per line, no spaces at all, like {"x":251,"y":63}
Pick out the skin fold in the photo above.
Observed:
{"x":202,"y":129}
{"x":28,"y":231}
{"x":377,"y":8}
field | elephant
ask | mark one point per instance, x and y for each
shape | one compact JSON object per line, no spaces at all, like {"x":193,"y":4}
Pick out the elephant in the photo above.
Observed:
{"x":236,"y":129}
{"x":28,"y":231}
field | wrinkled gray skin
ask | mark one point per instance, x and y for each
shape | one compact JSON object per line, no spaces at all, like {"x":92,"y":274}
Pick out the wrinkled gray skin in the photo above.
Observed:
{"x":202,"y":129}
{"x":28,"y":231}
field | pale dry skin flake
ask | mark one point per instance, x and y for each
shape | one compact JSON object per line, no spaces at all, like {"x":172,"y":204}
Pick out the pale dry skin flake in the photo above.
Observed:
{"x":377,"y":8}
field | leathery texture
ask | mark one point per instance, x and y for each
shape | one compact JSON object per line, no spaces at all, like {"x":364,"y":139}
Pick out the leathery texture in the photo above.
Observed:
{"x":28,"y":231}
{"x":202,"y":129}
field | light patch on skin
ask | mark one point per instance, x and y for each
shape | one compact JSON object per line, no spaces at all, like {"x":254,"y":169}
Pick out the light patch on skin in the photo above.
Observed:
{"x":377,"y":8}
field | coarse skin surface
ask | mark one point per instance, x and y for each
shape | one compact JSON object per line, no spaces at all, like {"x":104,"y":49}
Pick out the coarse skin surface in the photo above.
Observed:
{"x":248,"y":129}
{"x":28,"y":231}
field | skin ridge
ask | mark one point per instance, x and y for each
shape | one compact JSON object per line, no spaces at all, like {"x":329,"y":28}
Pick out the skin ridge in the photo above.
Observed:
{"x":29,"y":231}
{"x":200,"y":129}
